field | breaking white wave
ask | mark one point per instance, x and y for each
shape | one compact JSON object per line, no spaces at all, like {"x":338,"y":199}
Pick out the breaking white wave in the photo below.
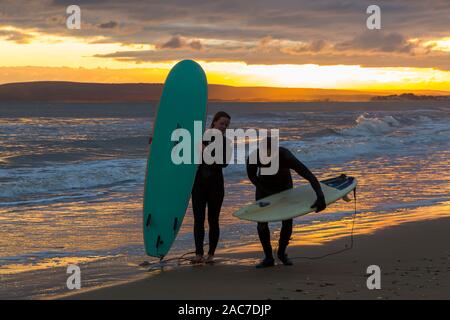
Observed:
{"x":375,"y":136}
{"x":366,"y":125}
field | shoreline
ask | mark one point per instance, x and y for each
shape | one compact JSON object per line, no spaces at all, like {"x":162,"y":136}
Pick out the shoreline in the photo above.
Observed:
{"x":414,"y":259}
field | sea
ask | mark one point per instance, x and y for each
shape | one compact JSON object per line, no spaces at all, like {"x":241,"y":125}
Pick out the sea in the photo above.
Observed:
{"x":72,"y":181}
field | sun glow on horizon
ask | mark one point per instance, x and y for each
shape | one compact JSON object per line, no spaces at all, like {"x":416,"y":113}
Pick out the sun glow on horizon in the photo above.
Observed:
{"x":439,"y":45}
{"x":332,"y":77}
{"x":68,"y":58}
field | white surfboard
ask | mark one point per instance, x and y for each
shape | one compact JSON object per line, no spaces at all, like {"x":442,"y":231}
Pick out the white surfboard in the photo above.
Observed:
{"x":297,"y":201}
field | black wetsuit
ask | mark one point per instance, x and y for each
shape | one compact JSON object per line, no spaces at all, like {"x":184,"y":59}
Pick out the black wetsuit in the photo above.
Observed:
{"x":267,"y":185}
{"x":208,"y":190}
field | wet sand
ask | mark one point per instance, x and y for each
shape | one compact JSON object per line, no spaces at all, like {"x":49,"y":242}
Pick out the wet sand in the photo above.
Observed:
{"x":414,"y":259}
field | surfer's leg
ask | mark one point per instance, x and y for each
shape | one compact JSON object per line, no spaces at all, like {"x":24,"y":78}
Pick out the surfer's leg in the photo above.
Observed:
{"x":215,"y":200}
{"x":199,"y":209}
{"x":264,"y":237}
{"x":285,"y":236}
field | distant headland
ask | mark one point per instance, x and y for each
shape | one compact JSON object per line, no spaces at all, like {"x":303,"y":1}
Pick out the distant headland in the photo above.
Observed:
{"x":409,"y":97}
{"x":63,"y":91}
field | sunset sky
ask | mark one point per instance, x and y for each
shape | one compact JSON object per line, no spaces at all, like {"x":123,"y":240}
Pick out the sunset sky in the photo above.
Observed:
{"x":283,"y":43}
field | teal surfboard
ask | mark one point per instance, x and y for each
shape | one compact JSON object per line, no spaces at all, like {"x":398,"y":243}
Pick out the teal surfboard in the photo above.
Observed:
{"x":168,"y":185}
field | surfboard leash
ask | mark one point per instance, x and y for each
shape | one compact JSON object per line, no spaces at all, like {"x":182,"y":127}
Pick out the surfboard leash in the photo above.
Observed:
{"x":347,"y":247}
{"x":177,"y":258}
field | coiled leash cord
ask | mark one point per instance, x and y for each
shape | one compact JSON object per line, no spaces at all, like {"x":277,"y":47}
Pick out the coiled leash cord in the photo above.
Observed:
{"x":347,"y":247}
{"x":162,"y":260}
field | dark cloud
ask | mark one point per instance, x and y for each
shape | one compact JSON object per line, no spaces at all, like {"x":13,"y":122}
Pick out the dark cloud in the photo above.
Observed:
{"x":108,"y":25}
{"x":376,"y":40}
{"x":314,"y":46}
{"x":177,"y":42}
{"x":16,"y":36}
{"x":196,"y":45}
{"x":173,"y":43}
{"x":300,"y":31}
{"x":276,"y":55}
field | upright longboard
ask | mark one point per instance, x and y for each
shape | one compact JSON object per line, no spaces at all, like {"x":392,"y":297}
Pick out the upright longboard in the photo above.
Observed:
{"x":296,"y":202}
{"x":168,"y":186}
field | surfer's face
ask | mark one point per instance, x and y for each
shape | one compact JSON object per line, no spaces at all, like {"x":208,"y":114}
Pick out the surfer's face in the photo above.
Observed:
{"x":221,"y":124}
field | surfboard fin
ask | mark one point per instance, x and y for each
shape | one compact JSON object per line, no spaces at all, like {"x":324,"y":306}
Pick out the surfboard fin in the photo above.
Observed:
{"x":159,"y":241}
{"x":175,"y":224}
{"x":149,"y":218}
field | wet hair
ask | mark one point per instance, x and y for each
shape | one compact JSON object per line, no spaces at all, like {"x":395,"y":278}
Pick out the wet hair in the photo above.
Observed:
{"x":218,"y":115}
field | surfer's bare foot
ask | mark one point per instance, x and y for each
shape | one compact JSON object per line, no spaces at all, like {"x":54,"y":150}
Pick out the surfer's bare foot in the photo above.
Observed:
{"x":209,"y":259}
{"x":267,"y":262}
{"x":144,"y":264}
{"x":198,"y":259}
{"x":285,"y":260}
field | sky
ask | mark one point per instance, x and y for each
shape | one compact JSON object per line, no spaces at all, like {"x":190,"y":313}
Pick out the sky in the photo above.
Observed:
{"x":283,"y":43}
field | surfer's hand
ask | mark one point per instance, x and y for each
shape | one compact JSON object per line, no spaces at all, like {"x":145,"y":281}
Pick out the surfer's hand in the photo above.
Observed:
{"x":319,"y":204}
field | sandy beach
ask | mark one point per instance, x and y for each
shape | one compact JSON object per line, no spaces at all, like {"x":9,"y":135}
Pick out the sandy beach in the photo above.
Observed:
{"x":413,"y":257}
{"x":104,"y":103}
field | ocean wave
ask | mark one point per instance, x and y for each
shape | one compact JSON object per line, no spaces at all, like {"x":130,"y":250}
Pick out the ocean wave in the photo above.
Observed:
{"x":380,"y":135}
{"x":40,"y":256}
{"x":71,"y":177}
{"x":366,"y":125}
{"x":52,"y":199}
{"x":370,"y":135}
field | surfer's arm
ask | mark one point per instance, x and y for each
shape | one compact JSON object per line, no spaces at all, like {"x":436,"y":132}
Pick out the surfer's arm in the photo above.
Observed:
{"x":304,"y":172}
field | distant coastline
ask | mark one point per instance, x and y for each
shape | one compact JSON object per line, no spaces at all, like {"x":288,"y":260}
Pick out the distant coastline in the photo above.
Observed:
{"x":409,"y":97}
{"x":63,"y":91}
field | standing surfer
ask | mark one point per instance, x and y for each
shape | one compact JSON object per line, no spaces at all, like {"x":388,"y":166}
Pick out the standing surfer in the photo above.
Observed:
{"x":208,"y":191}
{"x":267,"y":185}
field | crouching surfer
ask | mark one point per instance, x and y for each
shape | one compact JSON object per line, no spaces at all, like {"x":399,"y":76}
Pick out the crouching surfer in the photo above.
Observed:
{"x":208,"y":190}
{"x":267,"y":185}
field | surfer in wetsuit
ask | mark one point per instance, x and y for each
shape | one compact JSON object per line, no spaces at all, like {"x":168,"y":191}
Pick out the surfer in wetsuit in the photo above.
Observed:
{"x":208,"y":190}
{"x":267,"y":185}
